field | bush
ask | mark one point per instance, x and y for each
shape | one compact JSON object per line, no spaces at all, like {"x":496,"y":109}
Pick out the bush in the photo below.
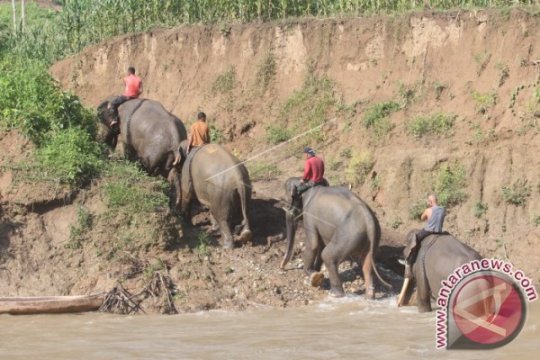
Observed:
{"x":480,"y":209}
{"x":435,"y":124}
{"x":516,"y":194}
{"x":127,"y":188}
{"x":225,"y":82}
{"x":277,"y":134}
{"x":71,"y":157}
{"x":484,"y":101}
{"x":32,"y":102}
{"x":450,"y":184}
{"x":416,"y":210}
{"x":377,"y":117}
{"x":262,"y":171}
{"x":360,"y":164}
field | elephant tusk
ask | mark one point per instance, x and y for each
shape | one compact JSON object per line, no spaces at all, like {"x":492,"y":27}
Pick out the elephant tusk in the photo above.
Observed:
{"x":403,"y":291}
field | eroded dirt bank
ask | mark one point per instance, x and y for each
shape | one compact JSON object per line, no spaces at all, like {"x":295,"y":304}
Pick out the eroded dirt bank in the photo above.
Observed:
{"x":479,"y":69}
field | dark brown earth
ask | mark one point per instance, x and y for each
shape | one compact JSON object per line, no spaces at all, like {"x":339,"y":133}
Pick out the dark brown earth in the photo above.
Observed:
{"x":480,"y":66}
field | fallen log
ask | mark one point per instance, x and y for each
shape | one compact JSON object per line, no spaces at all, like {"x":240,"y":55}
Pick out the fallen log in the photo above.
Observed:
{"x":50,"y":304}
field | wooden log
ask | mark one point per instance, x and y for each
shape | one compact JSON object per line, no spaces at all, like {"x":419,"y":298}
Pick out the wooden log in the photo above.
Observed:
{"x":50,"y":304}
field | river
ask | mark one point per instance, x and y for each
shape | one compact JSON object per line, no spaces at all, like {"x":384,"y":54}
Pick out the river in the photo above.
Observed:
{"x":348,"y":328}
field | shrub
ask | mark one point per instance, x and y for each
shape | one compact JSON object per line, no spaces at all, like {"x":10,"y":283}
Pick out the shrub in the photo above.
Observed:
{"x":435,"y":124}
{"x":360,"y":164}
{"x":450,"y":183}
{"x":71,"y":157}
{"x":516,"y":194}
{"x":77,"y":231}
{"x":262,"y":171}
{"x":484,"y":101}
{"x":416,"y":210}
{"x":216,"y":135}
{"x":266,"y":72}
{"x":376,"y":117}
{"x":225,"y":82}
{"x":127,"y":188}
{"x":480,"y":209}
{"x":277,"y":134}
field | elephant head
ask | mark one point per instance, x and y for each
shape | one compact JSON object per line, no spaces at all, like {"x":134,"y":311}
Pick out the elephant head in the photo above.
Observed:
{"x":410,"y":243}
{"x":106,"y":117}
{"x":292,"y":213}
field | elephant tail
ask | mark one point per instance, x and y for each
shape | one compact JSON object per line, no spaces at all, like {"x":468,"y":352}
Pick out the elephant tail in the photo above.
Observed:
{"x":374,"y":236}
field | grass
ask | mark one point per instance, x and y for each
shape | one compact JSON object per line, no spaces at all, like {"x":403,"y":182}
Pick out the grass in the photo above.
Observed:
{"x":259,"y":171}
{"x":225,"y":82}
{"x":516,"y":194}
{"x":127,"y":189}
{"x":376,"y":117}
{"x":480,"y":209}
{"x":216,"y":135}
{"x":484,"y":101}
{"x":416,"y":210}
{"x":78,"y":231}
{"x":266,"y":73}
{"x":277,"y":134}
{"x":450,"y":183}
{"x":359,"y":166}
{"x":435,"y":124}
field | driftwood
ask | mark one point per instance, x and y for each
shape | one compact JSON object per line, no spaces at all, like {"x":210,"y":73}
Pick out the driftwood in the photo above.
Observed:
{"x":50,"y":304}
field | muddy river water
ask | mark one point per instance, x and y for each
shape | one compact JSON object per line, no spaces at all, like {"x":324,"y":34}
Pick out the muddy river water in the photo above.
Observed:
{"x":349,"y":328}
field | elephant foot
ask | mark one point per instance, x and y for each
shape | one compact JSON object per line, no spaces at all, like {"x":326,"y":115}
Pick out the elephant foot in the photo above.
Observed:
{"x":424,"y":308}
{"x":370,"y":293}
{"x":316,"y":279}
{"x":228,"y":245}
{"x":337,"y":292}
{"x":245,"y":236}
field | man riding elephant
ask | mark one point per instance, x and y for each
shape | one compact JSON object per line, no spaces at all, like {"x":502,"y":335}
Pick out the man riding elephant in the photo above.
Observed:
{"x":434,"y":217}
{"x":199,"y":133}
{"x":133,"y":89}
{"x":313,"y":173}
{"x":148,"y":133}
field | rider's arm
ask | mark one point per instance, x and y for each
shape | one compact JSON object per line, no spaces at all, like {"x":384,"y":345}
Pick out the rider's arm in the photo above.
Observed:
{"x":140,"y":88}
{"x":307,"y":171}
{"x":426,"y":214}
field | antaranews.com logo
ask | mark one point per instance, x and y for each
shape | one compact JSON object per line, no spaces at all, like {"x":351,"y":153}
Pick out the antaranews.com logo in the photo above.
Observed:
{"x":482,"y":305}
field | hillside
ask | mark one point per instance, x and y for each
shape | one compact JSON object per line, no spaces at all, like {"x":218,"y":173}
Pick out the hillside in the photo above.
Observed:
{"x":397,"y":106}
{"x":478,"y":70}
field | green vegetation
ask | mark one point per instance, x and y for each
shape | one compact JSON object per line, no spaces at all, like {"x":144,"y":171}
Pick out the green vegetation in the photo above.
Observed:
{"x":360,"y":164}
{"x":407,"y":94}
{"x":484,"y":101}
{"x":480,"y":209}
{"x":416,"y":210}
{"x":216,"y":135}
{"x":77,"y":231}
{"x":516,"y":194}
{"x":262,"y":171}
{"x":309,"y":107}
{"x":266,"y":73}
{"x":127,"y":189}
{"x":434,"y":124}
{"x":536,"y":220}
{"x":376,"y":117}
{"x":504,"y":72}
{"x":225,"y":82}
{"x":397,"y":222}
{"x":450,"y":183}
{"x":277,"y":134}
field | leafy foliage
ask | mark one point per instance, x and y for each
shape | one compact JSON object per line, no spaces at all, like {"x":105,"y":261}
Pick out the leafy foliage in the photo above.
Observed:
{"x":435,"y":124}
{"x":516,"y":194}
{"x":360,"y":164}
{"x":450,"y":183}
{"x":376,"y":117}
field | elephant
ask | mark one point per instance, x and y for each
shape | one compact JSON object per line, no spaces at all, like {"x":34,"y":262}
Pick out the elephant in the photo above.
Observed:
{"x":438,"y":256}
{"x":148,"y":133}
{"x":338,"y":226}
{"x":219,"y":181}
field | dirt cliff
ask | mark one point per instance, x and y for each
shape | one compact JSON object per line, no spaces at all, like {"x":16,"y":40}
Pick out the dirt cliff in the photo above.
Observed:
{"x":401,"y":106}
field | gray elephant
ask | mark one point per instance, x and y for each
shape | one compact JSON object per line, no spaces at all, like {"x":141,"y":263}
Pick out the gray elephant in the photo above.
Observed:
{"x":219,"y":181}
{"x":338,"y":226}
{"x":436,"y":258}
{"x":148,"y":133}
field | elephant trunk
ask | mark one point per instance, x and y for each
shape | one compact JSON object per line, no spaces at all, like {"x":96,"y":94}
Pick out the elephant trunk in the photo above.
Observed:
{"x":291,"y":232}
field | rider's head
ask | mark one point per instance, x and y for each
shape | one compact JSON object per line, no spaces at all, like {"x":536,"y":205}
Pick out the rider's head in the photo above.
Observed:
{"x":201,"y":116}
{"x":309,"y":152}
{"x":432,"y":200}
{"x":131,"y":70}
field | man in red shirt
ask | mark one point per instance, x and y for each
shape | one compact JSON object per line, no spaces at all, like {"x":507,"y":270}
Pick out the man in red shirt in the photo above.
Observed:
{"x":133,"y":90}
{"x":313,"y":172}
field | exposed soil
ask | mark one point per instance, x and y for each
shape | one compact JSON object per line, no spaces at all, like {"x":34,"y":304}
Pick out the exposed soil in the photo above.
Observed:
{"x":481,"y":66}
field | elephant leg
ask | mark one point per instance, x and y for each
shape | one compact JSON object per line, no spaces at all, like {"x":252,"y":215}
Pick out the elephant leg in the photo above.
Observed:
{"x":422,"y":289}
{"x":367,"y":263}
{"x":213,"y":223}
{"x":311,"y":258}
{"x":176,"y":195}
{"x":331,"y":257}
{"x":226,"y":234}
{"x":318,"y":260}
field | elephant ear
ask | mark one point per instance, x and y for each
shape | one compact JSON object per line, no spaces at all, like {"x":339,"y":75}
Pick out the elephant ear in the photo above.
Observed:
{"x":410,"y":243}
